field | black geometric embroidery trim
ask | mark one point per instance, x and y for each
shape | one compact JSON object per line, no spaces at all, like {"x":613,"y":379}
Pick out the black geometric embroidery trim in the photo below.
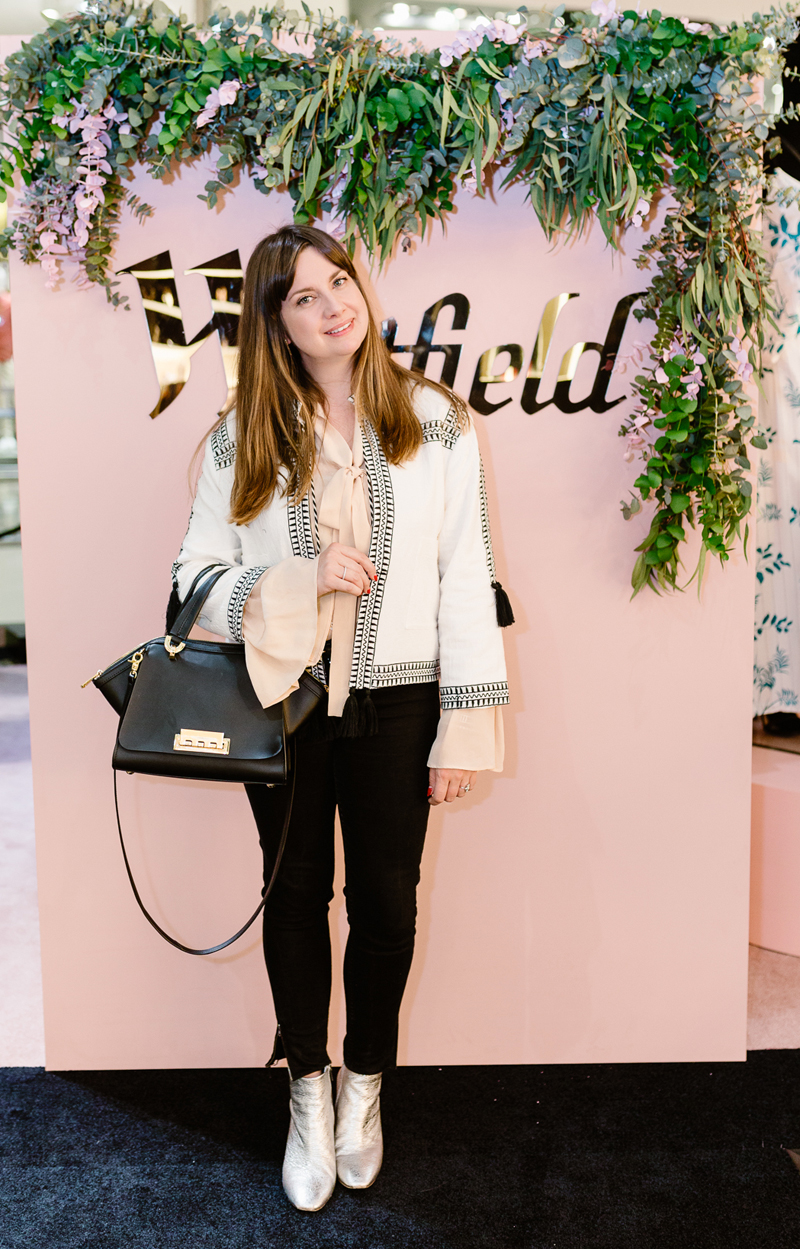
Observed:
{"x":486,"y":531}
{"x":442,"y":429}
{"x":301,"y":533}
{"x":239,"y":596}
{"x":313,"y":516}
{"x":491,"y":694}
{"x":380,"y":550}
{"x":404,"y":674}
{"x":222,"y":449}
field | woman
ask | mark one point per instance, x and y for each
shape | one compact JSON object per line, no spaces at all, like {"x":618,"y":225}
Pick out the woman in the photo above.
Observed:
{"x":346,"y":496}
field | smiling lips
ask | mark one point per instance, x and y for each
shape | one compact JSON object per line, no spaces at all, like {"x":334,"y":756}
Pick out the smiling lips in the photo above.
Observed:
{"x":341,"y":329}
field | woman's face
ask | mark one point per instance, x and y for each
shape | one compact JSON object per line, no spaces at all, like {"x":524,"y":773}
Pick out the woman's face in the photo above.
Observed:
{"x":324,"y":314}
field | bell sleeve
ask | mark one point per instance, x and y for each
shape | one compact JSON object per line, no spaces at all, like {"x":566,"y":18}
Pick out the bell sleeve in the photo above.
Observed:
{"x":286,"y":625}
{"x":471,"y":740}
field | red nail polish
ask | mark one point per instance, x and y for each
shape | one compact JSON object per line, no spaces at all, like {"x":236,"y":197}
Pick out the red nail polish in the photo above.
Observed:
{"x":430,"y":791}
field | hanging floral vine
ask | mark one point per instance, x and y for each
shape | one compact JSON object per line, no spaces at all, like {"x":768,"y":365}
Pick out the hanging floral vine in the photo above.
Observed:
{"x":597,"y":114}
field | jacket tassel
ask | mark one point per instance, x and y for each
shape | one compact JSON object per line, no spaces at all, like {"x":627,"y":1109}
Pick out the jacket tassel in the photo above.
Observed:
{"x":351,"y":717}
{"x":369,"y":717}
{"x":173,"y":608}
{"x":505,"y":615}
{"x":359,"y":719}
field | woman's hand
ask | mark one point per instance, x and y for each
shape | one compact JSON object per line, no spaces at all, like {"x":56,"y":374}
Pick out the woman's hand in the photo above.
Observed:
{"x":449,"y":783}
{"x":344,"y":568}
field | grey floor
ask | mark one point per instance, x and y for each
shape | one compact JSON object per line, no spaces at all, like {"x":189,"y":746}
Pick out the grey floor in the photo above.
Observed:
{"x":774,"y":999}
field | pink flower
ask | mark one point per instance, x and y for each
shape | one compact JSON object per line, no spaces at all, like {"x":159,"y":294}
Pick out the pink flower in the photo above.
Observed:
{"x":50,"y":266}
{"x":69,"y":229}
{"x":465,"y":41}
{"x":634,"y":357}
{"x":535,"y":48}
{"x":605,"y":11}
{"x":110,"y":113}
{"x":204,"y":117}
{"x":229,"y":90}
{"x":661,"y":376}
{"x":217,"y":97}
{"x":640,"y":212}
{"x":470,"y":182}
{"x":505,"y":31}
{"x":745,"y":369}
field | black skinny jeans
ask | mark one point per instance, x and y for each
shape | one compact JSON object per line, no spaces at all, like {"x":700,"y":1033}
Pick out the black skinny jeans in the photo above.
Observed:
{"x":380,"y":786}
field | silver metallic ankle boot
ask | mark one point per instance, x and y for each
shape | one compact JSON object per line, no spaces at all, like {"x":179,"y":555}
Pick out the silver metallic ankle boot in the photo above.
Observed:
{"x":359,"y":1139}
{"x":309,"y":1164}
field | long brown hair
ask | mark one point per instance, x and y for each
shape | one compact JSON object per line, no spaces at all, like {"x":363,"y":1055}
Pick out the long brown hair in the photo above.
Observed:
{"x":276,"y":399}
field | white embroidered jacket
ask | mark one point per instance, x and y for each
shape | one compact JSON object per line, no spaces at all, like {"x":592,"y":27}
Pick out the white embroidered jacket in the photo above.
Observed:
{"x":432,"y":610}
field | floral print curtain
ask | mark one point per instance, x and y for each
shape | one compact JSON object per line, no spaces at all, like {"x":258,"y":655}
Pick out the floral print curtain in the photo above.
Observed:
{"x":776,"y":669}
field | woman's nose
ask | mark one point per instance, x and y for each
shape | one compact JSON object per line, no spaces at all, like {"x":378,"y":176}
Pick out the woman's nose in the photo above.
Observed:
{"x":334,"y":305}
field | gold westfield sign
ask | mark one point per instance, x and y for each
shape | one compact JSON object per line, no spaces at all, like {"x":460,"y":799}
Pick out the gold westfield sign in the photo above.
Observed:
{"x":172,"y":347}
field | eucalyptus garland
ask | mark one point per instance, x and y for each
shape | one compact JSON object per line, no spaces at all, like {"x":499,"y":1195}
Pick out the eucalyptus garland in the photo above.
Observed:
{"x":598,"y":114}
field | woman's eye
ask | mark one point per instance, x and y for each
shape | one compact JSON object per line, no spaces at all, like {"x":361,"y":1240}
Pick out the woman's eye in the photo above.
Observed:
{"x":302,"y":300}
{"x":338,"y":281}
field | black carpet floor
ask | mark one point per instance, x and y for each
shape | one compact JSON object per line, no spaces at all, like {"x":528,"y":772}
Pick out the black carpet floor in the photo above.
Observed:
{"x":651,"y":1156}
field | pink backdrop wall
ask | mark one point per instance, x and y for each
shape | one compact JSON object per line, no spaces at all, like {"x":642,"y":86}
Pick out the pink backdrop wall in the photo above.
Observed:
{"x":591,"y":903}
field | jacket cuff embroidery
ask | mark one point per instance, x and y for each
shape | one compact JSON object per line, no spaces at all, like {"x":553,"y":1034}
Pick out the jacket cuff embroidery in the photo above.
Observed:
{"x":239,"y":596}
{"x":490,"y":694}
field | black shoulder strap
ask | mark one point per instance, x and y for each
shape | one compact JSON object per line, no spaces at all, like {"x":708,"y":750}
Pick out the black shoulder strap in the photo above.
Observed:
{"x":278,"y":857}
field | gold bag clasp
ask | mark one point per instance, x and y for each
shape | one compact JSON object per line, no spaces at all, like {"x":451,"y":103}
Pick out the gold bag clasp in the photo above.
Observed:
{"x":202,"y":742}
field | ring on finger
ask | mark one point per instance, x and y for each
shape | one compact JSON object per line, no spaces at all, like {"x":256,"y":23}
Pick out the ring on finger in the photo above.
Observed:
{"x":464,"y":789}
{"x":344,"y":572}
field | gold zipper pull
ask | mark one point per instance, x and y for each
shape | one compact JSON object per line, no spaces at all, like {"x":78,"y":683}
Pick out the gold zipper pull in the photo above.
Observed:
{"x":94,"y":678}
{"x":135,"y":661}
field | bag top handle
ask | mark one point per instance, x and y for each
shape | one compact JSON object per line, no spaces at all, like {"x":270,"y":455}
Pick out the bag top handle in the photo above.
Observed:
{"x":194,"y":603}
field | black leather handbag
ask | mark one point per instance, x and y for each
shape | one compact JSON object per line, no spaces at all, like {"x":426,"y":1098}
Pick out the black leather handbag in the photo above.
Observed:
{"x":188,"y":709}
